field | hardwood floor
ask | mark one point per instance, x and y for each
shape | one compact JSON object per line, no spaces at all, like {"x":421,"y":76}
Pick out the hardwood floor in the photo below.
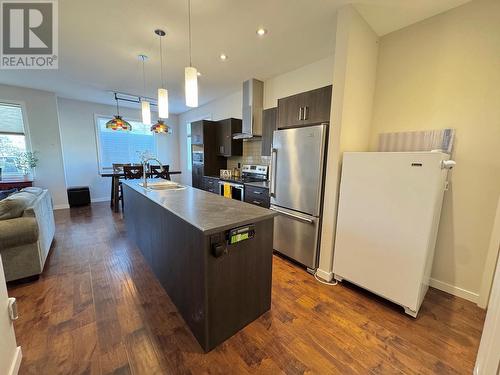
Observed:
{"x":98,"y":309}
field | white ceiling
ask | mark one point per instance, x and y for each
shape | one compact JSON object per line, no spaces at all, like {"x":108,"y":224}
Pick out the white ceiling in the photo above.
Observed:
{"x":99,"y":41}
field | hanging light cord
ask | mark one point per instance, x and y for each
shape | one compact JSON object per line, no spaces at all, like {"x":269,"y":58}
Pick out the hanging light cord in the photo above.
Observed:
{"x":117,"y":107}
{"x":143,"y":75}
{"x":161,"y":65}
{"x":189,"y":22}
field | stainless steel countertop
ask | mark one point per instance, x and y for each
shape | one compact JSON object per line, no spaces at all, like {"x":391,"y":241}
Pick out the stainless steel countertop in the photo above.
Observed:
{"x":210,"y":213}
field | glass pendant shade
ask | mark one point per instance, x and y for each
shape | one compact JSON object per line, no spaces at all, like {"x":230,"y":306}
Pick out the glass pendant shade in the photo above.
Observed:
{"x":146,"y":112}
{"x":160,"y":127}
{"x":163,"y":103}
{"x":191,"y":86}
{"x":117,"y":123}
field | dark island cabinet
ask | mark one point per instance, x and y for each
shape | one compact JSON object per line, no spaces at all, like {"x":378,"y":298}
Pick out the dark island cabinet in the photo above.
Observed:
{"x":307,"y":108}
{"x":269,"y":125}
{"x":225,"y":144}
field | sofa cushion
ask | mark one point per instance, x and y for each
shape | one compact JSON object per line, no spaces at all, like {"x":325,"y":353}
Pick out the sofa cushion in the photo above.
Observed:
{"x":33,"y":190}
{"x":14,"y":205}
{"x":5,"y":193}
{"x":17,"y":232}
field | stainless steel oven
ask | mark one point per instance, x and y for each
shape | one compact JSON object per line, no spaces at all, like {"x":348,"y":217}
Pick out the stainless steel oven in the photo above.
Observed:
{"x":197,"y":157}
{"x":237,"y":190}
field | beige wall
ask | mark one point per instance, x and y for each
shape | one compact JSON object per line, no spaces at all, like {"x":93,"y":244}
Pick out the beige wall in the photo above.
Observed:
{"x":308,"y":77}
{"x":445,"y":72}
{"x":354,"y":76}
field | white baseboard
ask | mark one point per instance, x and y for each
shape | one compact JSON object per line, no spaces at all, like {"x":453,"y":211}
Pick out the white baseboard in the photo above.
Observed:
{"x":96,"y":200}
{"x":16,"y":362}
{"x":454,"y":290}
{"x":327,"y":276}
{"x":61,"y":206}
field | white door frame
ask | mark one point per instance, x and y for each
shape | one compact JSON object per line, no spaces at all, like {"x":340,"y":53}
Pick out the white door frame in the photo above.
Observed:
{"x":488,"y":356}
{"x":491,"y":261}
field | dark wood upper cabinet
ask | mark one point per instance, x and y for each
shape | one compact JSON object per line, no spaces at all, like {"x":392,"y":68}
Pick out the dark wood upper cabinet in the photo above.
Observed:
{"x":269,"y":125}
{"x":205,"y":160}
{"x":225,"y":144}
{"x":307,"y":108}
{"x":197,"y":132}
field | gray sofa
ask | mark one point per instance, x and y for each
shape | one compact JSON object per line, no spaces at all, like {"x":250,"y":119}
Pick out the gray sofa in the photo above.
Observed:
{"x":26,"y":232}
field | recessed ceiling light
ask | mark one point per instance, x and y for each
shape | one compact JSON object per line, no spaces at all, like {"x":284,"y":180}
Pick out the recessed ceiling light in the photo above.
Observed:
{"x":261,"y":31}
{"x":198,"y":73}
{"x":223,"y":57}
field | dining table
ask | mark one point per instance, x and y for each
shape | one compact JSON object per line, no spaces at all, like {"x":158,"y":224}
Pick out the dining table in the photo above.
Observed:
{"x":115,"y":185}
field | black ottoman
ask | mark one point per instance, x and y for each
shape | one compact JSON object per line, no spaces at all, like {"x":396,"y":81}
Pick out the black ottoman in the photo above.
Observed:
{"x":78,"y":196}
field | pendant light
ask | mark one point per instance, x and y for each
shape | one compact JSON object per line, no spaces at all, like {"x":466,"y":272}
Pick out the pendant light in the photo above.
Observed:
{"x":190,"y":72}
{"x":117,"y":123}
{"x":162,"y":91}
{"x":145,"y":106}
{"x":160,"y":127}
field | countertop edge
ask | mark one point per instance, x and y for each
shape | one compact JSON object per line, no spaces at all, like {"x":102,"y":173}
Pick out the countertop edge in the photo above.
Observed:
{"x":134,"y":186}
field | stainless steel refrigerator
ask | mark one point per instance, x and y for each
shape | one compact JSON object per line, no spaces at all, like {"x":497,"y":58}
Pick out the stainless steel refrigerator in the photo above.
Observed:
{"x":297,"y":174}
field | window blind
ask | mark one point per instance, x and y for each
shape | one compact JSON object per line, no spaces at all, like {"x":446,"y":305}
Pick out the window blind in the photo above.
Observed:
{"x":117,"y":146}
{"x":11,"y":119}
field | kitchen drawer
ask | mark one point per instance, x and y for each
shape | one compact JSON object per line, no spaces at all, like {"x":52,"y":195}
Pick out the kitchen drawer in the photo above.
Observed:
{"x":257,"y":196}
{"x":211,"y":184}
{"x":213,"y":190}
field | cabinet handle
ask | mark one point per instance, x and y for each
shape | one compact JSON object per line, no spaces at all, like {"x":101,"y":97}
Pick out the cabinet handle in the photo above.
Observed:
{"x":305,"y":112}
{"x":257,"y":192}
{"x":274,"y":161}
{"x":300,"y":113}
{"x":257,"y":202}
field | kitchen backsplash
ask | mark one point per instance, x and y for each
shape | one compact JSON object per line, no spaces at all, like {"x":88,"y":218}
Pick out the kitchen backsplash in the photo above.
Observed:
{"x":251,"y":155}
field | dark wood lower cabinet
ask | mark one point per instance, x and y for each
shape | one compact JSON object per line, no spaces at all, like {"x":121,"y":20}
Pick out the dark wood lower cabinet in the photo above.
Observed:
{"x":211,"y":184}
{"x":257,"y":196}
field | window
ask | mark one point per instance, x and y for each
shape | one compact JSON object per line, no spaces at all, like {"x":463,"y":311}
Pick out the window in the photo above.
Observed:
{"x":188,"y":144}
{"x":12,"y":138}
{"x":116,"y":146}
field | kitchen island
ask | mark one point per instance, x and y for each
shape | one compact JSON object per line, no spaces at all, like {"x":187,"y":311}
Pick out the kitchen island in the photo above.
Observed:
{"x":212,"y":255}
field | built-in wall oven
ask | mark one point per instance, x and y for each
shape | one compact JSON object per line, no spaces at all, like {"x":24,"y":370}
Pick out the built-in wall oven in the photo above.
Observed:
{"x":237,"y":191}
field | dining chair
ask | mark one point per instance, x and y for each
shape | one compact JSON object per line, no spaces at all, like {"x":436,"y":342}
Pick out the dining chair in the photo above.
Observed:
{"x":158,"y":171}
{"x":117,"y":168}
{"x":132,"y":172}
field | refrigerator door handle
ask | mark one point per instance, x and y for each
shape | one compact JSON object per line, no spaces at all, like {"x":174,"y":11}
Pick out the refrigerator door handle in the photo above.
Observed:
{"x":274,"y":160}
{"x":310,"y":221}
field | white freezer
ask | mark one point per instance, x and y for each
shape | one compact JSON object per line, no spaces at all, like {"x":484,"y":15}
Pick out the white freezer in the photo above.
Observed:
{"x":388,"y":218}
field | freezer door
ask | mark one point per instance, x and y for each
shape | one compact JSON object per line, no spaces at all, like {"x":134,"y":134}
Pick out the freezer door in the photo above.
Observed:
{"x":297,"y":168}
{"x":296,"y":236}
{"x":388,"y":217}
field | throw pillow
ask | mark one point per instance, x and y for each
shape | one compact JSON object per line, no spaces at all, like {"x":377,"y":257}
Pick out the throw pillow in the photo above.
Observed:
{"x":14,"y":205}
{"x":33,"y":190}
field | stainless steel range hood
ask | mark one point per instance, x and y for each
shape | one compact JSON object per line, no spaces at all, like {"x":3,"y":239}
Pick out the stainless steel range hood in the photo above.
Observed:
{"x":253,"y":102}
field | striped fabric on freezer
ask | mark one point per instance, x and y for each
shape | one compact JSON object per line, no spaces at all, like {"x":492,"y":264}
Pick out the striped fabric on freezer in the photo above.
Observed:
{"x":427,"y":140}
